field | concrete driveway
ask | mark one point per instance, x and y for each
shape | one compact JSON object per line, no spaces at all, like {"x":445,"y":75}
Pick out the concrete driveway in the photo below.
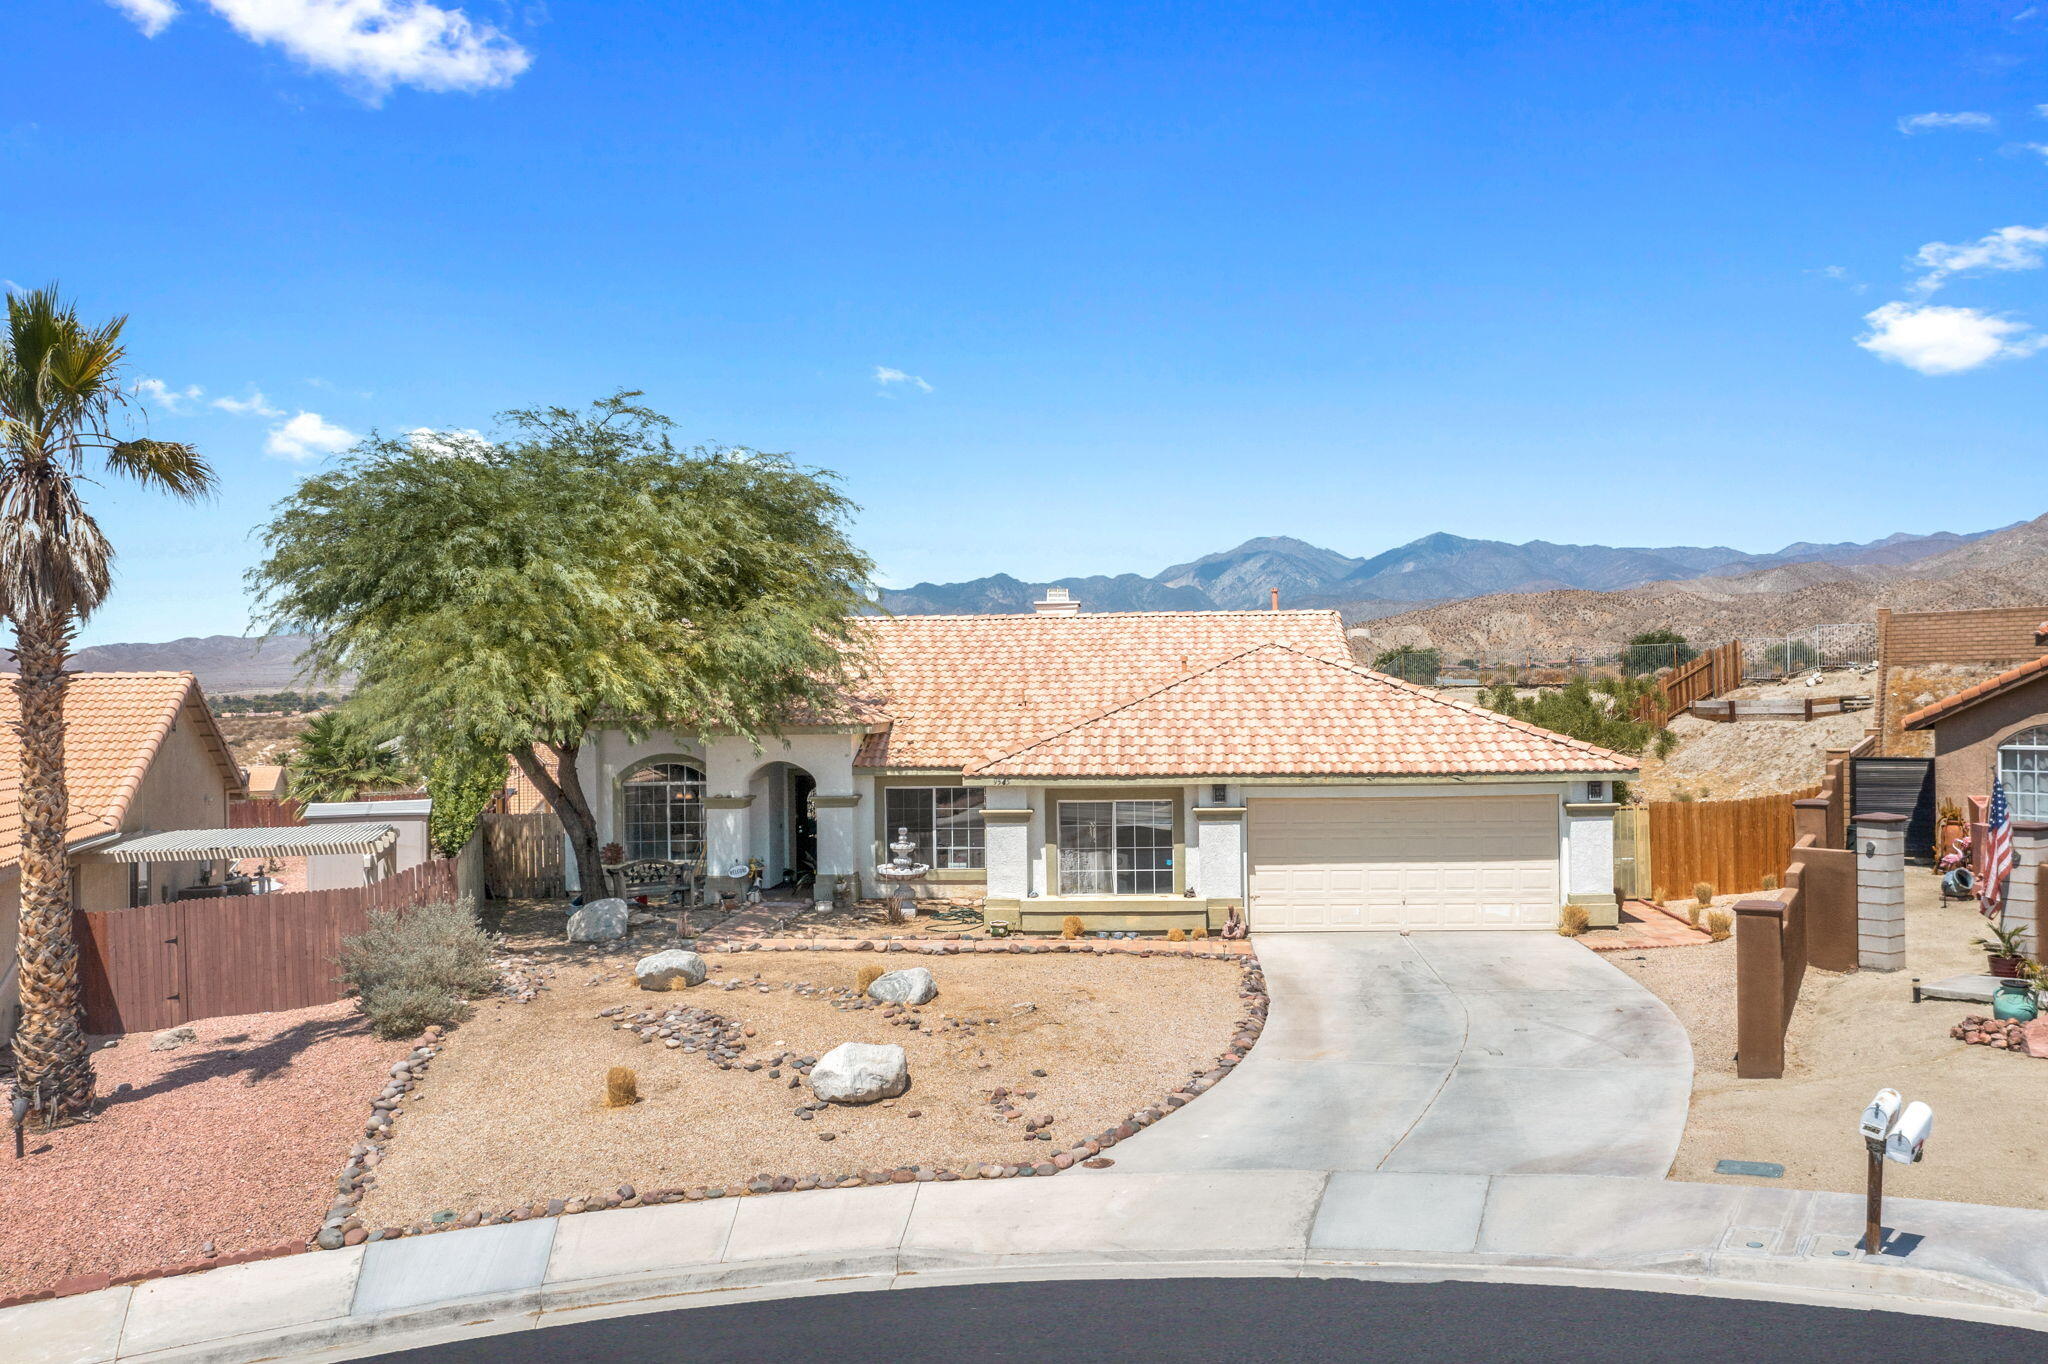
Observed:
{"x":1456,"y":1053}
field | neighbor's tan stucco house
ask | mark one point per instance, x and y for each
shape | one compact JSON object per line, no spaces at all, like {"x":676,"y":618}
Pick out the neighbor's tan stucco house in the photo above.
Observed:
{"x":141,"y":752}
{"x":1999,"y":727}
{"x":1143,"y":770}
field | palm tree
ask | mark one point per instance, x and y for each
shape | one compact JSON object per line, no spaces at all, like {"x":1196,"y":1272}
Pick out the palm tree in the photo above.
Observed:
{"x":59,"y":383}
{"x":337,"y":759}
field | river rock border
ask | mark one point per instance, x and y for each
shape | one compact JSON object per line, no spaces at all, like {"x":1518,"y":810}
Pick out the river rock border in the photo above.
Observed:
{"x":343,"y":1227}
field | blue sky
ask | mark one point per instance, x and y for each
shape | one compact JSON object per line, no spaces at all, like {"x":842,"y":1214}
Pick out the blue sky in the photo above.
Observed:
{"x":1157,"y":277}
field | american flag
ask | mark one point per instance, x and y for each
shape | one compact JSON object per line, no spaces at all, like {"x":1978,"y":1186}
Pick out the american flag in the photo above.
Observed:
{"x":1997,"y":854}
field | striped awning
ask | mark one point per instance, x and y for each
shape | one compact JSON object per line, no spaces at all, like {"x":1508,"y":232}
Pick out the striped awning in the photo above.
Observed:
{"x":213,"y":845}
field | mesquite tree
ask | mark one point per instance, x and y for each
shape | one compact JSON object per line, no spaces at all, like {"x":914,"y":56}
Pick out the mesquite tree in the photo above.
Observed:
{"x":60,"y":380}
{"x":510,"y":596}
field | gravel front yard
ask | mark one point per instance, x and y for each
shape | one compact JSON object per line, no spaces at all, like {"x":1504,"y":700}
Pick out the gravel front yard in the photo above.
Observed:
{"x":234,"y":1139}
{"x":511,"y":1113}
{"x":1851,"y":1036}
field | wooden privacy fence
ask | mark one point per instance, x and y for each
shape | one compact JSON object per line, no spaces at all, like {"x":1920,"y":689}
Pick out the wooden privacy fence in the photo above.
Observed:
{"x":259,"y":813}
{"x":161,"y":965}
{"x":1717,"y":670}
{"x":1800,"y":708}
{"x":1732,"y":845}
{"x":522,"y":856}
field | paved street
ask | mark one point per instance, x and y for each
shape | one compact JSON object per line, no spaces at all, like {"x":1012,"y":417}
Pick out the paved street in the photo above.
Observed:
{"x":1454,"y":1053}
{"x":1249,"y":1319}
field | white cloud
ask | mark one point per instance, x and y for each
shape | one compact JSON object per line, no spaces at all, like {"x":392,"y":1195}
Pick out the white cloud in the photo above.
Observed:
{"x":373,"y":45}
{"x":454,"y":440}
{"x":255,"y":405}
{"x":2009,"y":248}
{"x":1928,"y":123}
{"x":307,"y":436}
{"x":886,"y":376}
{"x":151,"y":16}
{"x":1936,"y":339}
{"x":168,"y":398}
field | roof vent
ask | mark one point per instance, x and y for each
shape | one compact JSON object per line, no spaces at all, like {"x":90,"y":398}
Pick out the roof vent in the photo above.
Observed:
{"x":1057,"y":602}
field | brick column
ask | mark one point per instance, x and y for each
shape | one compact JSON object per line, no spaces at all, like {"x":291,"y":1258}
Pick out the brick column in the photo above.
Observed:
{"x":2023,"y":893}
{"x":1881,"y":892}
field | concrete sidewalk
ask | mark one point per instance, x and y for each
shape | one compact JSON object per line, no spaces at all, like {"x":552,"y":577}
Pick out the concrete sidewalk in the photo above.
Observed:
{"x":1987,"y":1264}
{"x":1466,"y":1053}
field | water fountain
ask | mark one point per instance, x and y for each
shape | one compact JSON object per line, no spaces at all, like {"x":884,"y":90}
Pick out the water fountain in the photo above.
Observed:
{"x":898,"y":873}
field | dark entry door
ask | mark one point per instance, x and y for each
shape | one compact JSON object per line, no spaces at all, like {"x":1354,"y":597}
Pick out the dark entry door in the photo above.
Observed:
{"x":1896,"y":786}
{"x":803,"y":828}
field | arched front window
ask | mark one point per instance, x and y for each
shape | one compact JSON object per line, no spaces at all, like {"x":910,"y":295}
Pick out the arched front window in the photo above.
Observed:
{"x":2023,"y":768}
{"x":665,"y":813}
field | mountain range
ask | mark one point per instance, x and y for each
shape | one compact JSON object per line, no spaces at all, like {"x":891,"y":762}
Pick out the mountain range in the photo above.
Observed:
{"x":1436,"y":568}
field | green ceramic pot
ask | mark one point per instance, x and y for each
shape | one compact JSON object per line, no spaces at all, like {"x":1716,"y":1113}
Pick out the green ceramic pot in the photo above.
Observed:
{"x":2015,"y":1003}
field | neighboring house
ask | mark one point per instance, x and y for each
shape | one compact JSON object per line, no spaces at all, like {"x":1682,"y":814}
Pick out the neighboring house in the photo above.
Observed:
{"x":1142,"y":770}
{"x":1922,"y":655}
{"x":264,"y":781}
{"x":1999,"y":727}
{"x":141,"y":752}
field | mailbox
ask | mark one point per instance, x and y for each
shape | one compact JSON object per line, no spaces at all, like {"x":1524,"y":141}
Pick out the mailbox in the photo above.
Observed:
{"x":1879,"y":1116}
{"x":1909,"y":1136}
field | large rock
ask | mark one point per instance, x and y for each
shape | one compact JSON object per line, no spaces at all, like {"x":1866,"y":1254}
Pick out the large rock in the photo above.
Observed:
{"x":598,"y":921}
{"x":170,"y":1039}
{"x":860,"y":1073}
{"x":912,"y":985}
{"x":674,"y":969}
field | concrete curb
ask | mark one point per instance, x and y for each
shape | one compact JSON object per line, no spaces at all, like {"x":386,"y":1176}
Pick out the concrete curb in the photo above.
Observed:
{"x":1975,"y":1263}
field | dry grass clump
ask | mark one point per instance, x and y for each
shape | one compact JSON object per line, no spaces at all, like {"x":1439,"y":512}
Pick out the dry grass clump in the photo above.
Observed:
{"x":1574,"y":920}
{"x":417,"y":967}
{"x":1070,"y":927}
{"x":1770,"y":881}
{"x":1720,"y":924}
{"x":1199,"y":932}
{"x":1703,"y":891}
{"x":866,"y":976}
{"x":621,"y":1087}
{"x":1175,"y":935}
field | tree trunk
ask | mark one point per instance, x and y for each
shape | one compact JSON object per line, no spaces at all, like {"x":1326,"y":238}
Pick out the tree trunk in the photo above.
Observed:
{"x":52,"y":1064}
{"x":572,"y":807}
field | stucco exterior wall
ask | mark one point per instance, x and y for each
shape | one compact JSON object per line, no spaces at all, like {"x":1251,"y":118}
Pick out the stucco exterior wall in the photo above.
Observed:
{"x":1966,"y":743}
{"x":184,"y":788}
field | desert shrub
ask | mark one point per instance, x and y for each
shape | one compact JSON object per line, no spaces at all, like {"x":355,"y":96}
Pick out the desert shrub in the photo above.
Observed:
{"x":1573,"y":921}
{"x":621,"y":1087}
{"x":1175,"y":935}
{"x":1720,"y":924}
{"x":1703,"y":891}
{"x":866,"y":976}
{"x":1770,"y":881}
{"x":1070,"y":927}
{"x":413,"y":968}
{"x":1198,"y":931}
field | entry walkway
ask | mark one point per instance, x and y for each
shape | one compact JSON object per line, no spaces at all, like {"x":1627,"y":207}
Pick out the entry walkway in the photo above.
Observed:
{"x":1443,"y":1053}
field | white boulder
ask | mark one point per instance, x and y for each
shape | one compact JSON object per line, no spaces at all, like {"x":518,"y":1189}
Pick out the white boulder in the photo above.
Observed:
{"x":912,"y":985}
{"x":860,"y":1073}
{"x":598,"y":921}
{"x":674,"y":969}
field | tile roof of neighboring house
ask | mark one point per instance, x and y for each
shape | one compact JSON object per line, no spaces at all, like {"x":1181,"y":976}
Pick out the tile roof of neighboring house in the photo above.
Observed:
{"x":957,"y":689}
{"x":114,"y":723}
{"x":265,"y":781}
{"x":1272,"y":710}
{"x":1970,"y":696}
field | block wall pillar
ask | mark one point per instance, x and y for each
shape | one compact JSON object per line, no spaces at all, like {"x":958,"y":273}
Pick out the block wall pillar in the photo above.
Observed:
{"x":1881,"y":892}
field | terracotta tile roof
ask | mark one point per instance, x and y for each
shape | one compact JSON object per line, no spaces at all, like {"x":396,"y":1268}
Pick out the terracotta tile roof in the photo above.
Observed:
{"x":956,"y":689}
{"x":113,"y":725}
{"x":1933,"y":714}
{"x":1275,"y":711}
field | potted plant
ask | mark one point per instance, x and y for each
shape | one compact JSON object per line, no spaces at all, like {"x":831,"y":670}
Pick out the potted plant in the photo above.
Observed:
{"x":1951,"y":829}
{"x":2007,"y":949}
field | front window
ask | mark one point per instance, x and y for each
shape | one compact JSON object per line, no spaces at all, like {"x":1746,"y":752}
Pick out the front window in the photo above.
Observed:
{"x":1116,"y":847}
{"x":665,"y":813}
{"x":2023,"y":769}
{"x":944,"y":822}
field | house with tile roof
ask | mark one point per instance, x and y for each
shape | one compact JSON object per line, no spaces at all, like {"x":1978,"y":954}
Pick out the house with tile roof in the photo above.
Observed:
{"x":1143,"y":770}
{"x":141,"y":752}
{"x":1996,"y":728}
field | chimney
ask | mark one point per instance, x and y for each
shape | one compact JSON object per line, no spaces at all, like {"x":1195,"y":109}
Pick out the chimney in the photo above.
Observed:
{"x":1276,"y":599}
{"x":1057,"y":602}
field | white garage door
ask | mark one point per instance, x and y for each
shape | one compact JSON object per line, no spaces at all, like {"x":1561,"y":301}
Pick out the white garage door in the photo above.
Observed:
{"x":1396,"y":862}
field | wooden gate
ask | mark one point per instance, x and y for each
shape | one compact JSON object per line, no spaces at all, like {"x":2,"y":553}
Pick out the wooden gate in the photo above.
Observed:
{"x":522,"y":856}
{"x":1632,"y":874}
{"x":162,"y":965}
